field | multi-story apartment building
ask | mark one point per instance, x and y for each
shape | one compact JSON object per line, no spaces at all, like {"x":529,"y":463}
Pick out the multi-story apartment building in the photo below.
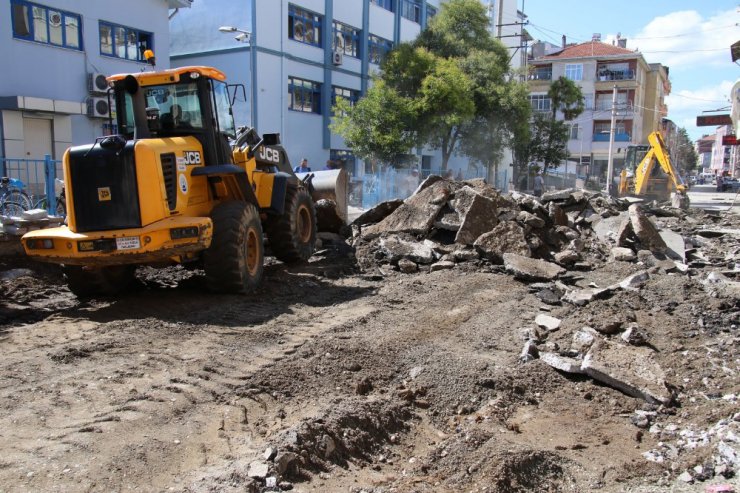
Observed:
{"x":55,"y":55}
{"x":703,"y":149}
{"x":598,"y":68}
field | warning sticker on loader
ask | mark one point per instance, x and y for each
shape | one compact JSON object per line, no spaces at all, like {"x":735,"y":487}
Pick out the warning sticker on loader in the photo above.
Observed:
{"x":183,"y":184}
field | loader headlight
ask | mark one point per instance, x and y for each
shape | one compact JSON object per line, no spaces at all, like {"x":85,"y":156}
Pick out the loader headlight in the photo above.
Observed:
{"x":40,"y":244}
{"x":180,"y":233}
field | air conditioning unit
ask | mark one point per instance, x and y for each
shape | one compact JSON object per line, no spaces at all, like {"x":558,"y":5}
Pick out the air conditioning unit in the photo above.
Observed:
{"x":98,"y":108}
{"x":96,"y":82}
{"x":55,"y":19}
{"x":337,"y":58}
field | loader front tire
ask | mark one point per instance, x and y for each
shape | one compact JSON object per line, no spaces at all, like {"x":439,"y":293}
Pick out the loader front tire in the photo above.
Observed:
{"x":86,"y":282}
{"x":292,"y":235}
{"x":234,"y":261}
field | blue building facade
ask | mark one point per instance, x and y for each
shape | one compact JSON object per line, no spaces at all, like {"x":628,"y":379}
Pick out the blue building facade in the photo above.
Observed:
{"x":56,"y":54}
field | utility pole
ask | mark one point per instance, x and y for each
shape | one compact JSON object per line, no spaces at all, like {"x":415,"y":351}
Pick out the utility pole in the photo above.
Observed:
{"x":612,"y":130}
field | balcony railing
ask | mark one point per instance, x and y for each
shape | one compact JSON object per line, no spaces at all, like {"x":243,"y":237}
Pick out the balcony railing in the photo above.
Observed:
{"x":618,"y":137}
{"x":541,"y":75}
{"x":609,"y":75}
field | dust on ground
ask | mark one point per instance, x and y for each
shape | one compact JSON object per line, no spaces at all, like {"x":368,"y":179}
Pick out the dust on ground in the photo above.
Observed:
{"x":336,"y":378}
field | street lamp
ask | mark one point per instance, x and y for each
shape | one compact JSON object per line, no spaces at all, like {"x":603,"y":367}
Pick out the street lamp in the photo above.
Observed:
{"x":247,"y":37}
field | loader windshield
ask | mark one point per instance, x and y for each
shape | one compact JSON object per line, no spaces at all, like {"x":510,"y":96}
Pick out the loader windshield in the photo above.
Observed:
{"x":177,"y":107}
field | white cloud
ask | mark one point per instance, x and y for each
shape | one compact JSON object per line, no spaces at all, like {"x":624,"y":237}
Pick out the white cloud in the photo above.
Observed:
{"x":686,"y":40}
{"x":685,"y":105}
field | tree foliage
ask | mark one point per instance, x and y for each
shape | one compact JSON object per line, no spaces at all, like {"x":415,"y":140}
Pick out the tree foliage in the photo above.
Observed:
{"x":453,"y":91}
{"x":685,"y":157}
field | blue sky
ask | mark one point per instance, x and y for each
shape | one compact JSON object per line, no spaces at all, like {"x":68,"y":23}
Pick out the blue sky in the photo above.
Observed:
{"x":692,"y":38}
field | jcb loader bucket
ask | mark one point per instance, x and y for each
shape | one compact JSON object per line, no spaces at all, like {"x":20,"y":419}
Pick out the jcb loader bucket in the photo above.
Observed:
{"x":331,"y":185}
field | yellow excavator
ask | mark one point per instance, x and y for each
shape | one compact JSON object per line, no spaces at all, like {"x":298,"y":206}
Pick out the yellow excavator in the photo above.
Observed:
{"x":642,"y":178}
{"x":179,"y":183}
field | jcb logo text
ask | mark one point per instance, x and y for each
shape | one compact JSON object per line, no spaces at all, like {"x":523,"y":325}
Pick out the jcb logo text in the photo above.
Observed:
{"x":192,"y":157}
{"x":267,"y":154}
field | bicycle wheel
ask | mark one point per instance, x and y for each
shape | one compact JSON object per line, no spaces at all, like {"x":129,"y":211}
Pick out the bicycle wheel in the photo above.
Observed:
{"x":19,"y":197}
{"x":10,"y":208}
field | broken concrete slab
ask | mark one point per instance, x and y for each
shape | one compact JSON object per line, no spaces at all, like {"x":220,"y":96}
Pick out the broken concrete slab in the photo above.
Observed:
{"x":623,"y":254}
{"x":675,"y":245}
{"x":258,"y":469}
{"x":635,"y":281}
{"x":416,"y":215}
{"x":607,"y":229}
{"x":447,"y":219}
{"x":645,"y":230}
{"x":396,"y":248}
{"x":465,"y":254}
{"x":407,"y":266}
{"x":562,"y":363}
{"x":629,"y":369}
{"x":378,"y":213}
{"x":547,"y":322}
{"x":529,"y":219}
{"x":529,"y":351}
{"x":478,"y":214}
{"x":505,"y":237}
{"x":567,"y":257}
{"x":557,"y":214}
{"x":581,"y":297}
{"x":583,"y":340}
{"x":531,"y":269}
{"x":442,"y":265}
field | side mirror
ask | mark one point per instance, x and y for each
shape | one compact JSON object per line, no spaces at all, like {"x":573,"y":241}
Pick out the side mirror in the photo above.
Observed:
{"x":130,"y":84}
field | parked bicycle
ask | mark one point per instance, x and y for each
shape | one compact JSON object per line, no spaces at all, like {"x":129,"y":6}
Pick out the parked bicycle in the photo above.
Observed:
{"x":60,"y":208}
{"x":13,"y":199}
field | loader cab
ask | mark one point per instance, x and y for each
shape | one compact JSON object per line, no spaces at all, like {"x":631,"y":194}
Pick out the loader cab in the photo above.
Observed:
{"x":634,"y":156}
{"x":190,"y":101}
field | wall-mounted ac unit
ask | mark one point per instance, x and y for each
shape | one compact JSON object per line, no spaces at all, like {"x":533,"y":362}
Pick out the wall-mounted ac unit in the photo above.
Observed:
{"x":337,"y":58}
{"x":96,"y":82}
{"x":98,"y":108}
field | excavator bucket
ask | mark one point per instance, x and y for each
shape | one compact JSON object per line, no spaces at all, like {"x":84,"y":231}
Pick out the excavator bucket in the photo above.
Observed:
{"x":329,"y":185}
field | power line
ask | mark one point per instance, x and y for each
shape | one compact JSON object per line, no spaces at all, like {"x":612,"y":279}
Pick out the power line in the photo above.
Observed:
{"x":698,"y":99}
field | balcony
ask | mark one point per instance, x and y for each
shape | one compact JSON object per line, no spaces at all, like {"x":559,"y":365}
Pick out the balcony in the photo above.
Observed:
{"x":541,"y":74}
{"x":612,"y":75}
{"x":618,"y":137}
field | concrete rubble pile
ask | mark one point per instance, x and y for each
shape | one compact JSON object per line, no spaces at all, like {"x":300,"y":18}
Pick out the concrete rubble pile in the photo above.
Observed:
{"x":15,"y":226}
{"x":446,"y":223}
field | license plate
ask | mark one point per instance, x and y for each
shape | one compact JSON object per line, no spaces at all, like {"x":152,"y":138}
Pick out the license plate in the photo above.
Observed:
{"x":128,"y":243}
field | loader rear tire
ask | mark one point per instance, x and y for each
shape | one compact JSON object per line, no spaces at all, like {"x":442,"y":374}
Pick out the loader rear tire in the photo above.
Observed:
{"x":234,"y":261}
{"x":293,"y":234}
{"x":87,"y":282}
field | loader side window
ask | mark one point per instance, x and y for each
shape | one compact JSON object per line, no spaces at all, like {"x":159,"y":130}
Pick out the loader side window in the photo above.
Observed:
{"x":179,"y":106}
{"x":223,"y":109}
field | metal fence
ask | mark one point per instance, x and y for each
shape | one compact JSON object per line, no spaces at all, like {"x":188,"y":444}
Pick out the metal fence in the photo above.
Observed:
{"x":37,"y":177}
{"x":394,"y":183}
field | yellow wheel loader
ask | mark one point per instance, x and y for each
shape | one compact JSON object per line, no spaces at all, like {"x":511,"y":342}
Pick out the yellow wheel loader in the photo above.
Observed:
{"x":642,"y":178}
{"x":178,"y":184}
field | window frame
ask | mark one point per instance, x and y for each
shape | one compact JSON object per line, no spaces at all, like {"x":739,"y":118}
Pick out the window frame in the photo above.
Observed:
{"x":127,"y":31}
{"x":431,"y":12}
{"x":577,"y":128}
{"x":411,"y":10}
{"x":351,"y":95}
{"x":570,"y":68}
{"x":304,"y":86}
{"x":308,"y":18}
{"x":31,"y":36}
{"x":379,"y":45}
{"x":347,"y":32}
{"x":544,"y":103}
{"x":383,"y":4}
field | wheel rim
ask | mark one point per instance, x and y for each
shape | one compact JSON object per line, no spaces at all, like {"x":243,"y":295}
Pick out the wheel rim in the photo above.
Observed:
{"x":252,"y":251}
{"x":304,"y":224}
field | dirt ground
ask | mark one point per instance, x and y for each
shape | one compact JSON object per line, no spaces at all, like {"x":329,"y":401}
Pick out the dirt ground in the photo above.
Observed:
{"x":371,"y":381}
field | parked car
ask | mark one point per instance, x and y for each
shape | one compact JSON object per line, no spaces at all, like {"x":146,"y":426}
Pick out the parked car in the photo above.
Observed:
{"x":730,"y":185}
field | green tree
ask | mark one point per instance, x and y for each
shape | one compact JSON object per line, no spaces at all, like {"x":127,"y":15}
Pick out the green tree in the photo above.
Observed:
{"x":685,"y":157}
{"x":549,"y":136}
{"x":379,"y":126}
{"x":452,"y":87}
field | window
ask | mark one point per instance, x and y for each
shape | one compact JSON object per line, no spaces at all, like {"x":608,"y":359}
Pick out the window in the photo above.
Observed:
{"x":124,"y":42}
{"x":346,"y":40}
{"x":574,"y":71}
{"x":540,"y":102}
{"x":431,"y":12}
{"x":343,"y":93}
{"x":378,"y":48}
{"x":574,"y":131}
{"x":386,"y":4}
{"x":47,"y":25}
{"x":223,"y":109}
{"x":411,"y":9}
{"x":304,"y":95}
{"x":602,"y":128}
{"x":588,"y":101}
{"x":304,"y":26}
